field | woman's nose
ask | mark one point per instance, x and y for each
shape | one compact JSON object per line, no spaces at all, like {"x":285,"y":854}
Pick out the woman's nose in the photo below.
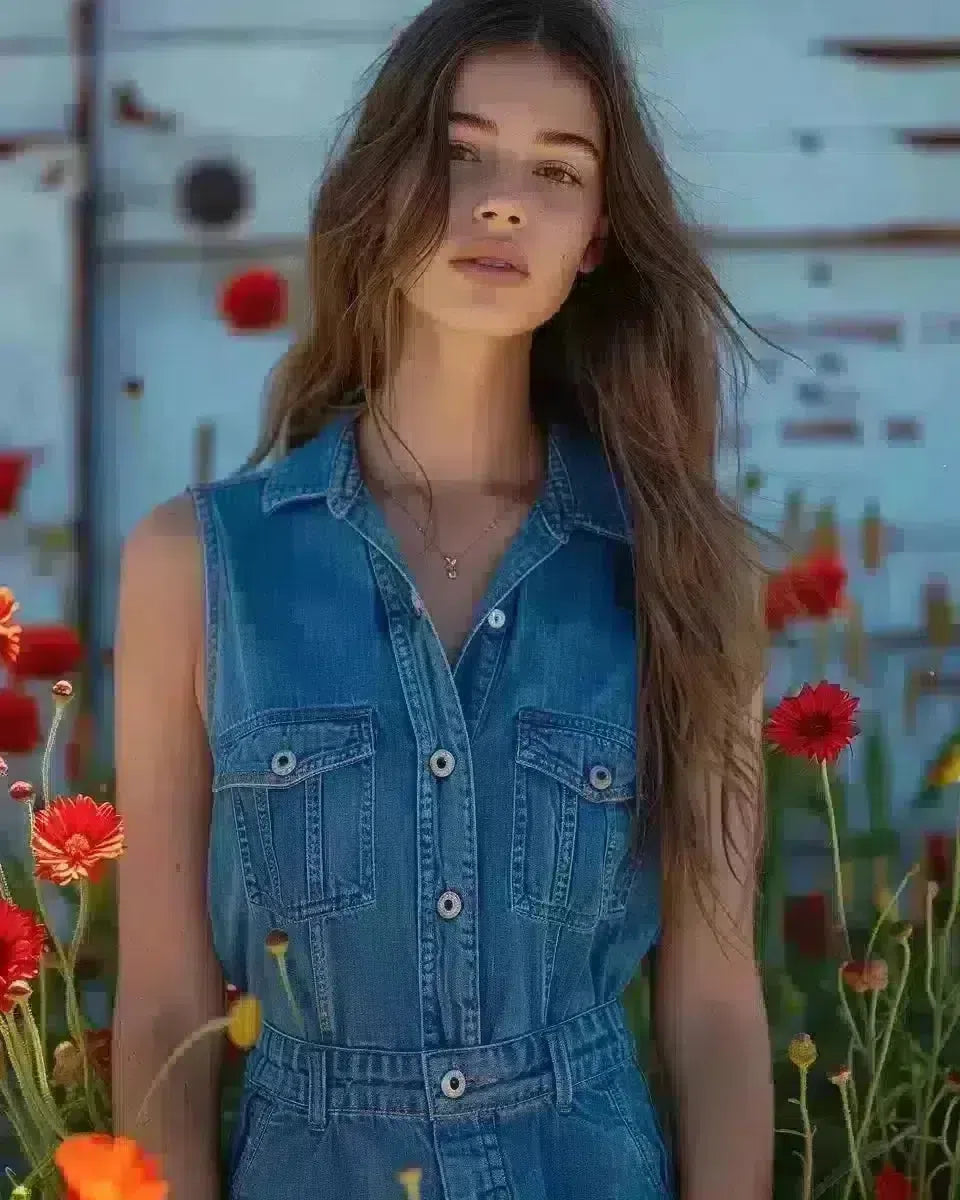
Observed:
{"x":498,"y":214}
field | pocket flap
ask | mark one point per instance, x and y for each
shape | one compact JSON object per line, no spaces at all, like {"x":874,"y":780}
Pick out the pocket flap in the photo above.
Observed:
{"x":594,"y":758}
{"x":282,"y":749}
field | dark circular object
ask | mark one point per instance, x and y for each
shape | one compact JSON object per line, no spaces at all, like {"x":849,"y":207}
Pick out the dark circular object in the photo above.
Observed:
{"x":213,"y":194}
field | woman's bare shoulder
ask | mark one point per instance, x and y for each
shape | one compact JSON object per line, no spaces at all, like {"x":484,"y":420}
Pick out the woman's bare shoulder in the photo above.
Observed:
{"x":161,"y":583}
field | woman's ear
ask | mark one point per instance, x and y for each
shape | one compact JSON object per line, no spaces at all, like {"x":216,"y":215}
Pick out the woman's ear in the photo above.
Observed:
{"x":596,"y":247}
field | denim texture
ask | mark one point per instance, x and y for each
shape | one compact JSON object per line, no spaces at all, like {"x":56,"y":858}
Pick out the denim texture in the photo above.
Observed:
{"x":446,"y":848}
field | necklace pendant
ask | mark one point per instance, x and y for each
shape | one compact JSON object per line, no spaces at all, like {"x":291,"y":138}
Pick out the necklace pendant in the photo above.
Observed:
{"x":451,"y":563}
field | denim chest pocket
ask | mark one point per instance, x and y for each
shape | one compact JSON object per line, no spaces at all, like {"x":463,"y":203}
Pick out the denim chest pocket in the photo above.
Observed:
{"x":574,"y":792}
{"x":301,"y":785}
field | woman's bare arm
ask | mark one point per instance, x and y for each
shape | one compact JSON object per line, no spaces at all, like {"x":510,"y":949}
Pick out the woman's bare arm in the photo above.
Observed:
{"x":169,"y":980}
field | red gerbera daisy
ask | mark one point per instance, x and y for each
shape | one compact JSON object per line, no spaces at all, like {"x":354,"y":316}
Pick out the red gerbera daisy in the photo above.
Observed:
{"x":21,"y":943}
{"x":9,"y":633}
{"x":820,"y":582}
{"x":892,"y":1184}
{"x":817,"y":723}
{"x":74,"y":837}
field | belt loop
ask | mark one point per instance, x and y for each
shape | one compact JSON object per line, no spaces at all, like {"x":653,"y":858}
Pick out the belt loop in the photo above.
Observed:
{"x":317,"y":1089}
{"x":563,"y":1084}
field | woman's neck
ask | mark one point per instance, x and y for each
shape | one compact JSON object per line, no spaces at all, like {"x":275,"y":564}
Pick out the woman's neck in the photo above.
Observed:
{"x":460,"y":406}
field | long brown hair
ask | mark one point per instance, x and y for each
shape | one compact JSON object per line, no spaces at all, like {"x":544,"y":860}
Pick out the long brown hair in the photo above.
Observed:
{"x":645,"y":351}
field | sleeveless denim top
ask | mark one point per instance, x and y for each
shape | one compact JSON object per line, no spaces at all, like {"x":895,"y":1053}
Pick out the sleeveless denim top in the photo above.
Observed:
{"x":445,"y":850}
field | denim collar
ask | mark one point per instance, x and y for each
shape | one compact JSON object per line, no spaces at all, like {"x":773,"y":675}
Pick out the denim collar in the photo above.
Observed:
{"x":581,"y":489}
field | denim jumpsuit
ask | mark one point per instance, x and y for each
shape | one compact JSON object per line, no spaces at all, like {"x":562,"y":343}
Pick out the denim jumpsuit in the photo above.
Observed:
{"x":439,"y":852}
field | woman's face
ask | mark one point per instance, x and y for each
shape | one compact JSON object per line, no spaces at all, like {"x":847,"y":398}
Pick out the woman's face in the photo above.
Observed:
{"x":526,"y":186}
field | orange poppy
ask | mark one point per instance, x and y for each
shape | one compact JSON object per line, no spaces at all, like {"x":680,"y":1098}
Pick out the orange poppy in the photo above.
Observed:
{"x":96,"y":1166}
{"x":9,"y":633}
{"x":73,"y":839}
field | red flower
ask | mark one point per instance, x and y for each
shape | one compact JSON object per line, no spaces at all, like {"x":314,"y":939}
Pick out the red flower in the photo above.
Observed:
{"x":13,"y":475}
{"x":819,"y":582}
{"x":73,"y":839}
{"x":19,"y":722}
{"x":21,"y":943}
{"x":254,"y":301}
{"x":811,"y":589}
{"x":861,"y":976}
{"x":816,"y":724}
{"x":805,"y":924}
{"x":9,"y":632}
{"x":939,"y":854}
{"x":47,"y":652}
{"x":892,"y":1184}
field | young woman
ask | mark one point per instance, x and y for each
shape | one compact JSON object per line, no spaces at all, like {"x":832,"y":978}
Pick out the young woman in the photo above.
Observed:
{"x":450,"y":706}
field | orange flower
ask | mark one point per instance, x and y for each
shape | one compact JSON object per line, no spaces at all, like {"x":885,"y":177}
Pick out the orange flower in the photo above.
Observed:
{"x":9,"y":633}
{"x":74,"y":837}
{"x":96,"y":1166}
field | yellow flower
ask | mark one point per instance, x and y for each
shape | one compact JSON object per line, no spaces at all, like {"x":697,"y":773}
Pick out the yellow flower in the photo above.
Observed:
{"x":244,"y":1021}
{"x":802,"y":1052}
{"x":947,"y":768}
{"x":410,"y":1178}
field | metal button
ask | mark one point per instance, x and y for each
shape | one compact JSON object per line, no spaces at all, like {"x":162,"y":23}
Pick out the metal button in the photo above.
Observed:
{"x":283,"y":762}
{"x":496,"y":618}
{"x":600,"y":778}
{"x":442,"y":763}
{"x":449,"y":905}
{"x":453,"y":1085}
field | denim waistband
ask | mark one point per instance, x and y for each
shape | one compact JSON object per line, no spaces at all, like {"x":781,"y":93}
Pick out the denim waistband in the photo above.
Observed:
{"x":320,"y":1079}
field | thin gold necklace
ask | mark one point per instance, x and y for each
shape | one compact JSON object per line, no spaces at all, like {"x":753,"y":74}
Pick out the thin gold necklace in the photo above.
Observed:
{"x":450,"y":561}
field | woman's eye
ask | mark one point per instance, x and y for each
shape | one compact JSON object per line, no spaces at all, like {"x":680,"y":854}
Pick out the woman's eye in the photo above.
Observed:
{"x":559,"y":174}
{"x":461,"y":153}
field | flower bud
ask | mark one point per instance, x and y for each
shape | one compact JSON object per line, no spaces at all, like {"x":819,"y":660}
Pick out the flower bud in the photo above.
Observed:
{"x":67,"y":1065}
{"x":841,"y":1077}
{"x":22,"y":791}
{"x":870,"y":976}
{"x":244,"y":1021}
{"x":802,"y":1052}
{"x":4,"y":769}
{"x":62,"y":690}
{"x":277,"y":942}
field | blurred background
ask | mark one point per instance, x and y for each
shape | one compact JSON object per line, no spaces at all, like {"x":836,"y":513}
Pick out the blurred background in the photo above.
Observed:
{"x":157,"y":161}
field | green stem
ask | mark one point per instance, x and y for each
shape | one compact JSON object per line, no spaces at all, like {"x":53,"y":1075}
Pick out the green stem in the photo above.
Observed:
{"x":855,"y":1038}
{"x":79,"y":932}
{"x":32,"y":1099}
{"x":875,"y":1081}
{"x":42,"y":989}
{"x":214,"y":1026}
{"x":58,"y":712}
{"x":954,"y":1188}
{"x":807,"y":1139}
{"x":851,"y":1141}
{"x":835,"y":849}
{"x":40,"y":1063}
{"x":28,"y":1139}
{"x":891,"y":905}
{"x":291,"y":998}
